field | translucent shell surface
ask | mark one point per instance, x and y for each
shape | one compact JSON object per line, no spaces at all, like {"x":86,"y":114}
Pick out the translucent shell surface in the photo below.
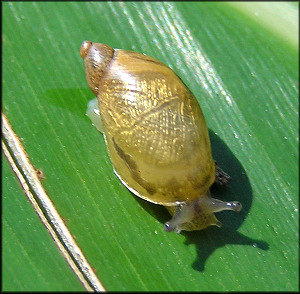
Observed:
{"x":154,"y":129}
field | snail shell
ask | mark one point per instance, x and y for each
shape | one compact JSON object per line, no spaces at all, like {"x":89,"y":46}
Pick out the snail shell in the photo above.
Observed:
{"x":155,"y":133}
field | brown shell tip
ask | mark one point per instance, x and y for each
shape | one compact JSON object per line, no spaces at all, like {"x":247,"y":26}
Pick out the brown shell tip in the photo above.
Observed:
{"x":85,"y":48}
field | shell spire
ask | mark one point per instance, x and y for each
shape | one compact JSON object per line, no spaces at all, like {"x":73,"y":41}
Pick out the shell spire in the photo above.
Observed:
{"x":96,"y":58}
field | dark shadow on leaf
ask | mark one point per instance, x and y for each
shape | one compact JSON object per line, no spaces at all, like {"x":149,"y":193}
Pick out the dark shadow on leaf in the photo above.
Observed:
{"x":212,"y":238}
{"x":239,"y":189}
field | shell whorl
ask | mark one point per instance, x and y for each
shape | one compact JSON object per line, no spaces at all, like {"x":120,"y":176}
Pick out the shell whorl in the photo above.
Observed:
{"x":96,"y":58}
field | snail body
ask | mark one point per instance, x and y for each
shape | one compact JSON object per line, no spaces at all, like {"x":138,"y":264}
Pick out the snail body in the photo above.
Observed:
{"x":156,"y":134}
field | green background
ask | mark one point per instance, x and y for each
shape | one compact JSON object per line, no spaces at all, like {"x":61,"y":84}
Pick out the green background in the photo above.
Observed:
{"x":245,"y":77}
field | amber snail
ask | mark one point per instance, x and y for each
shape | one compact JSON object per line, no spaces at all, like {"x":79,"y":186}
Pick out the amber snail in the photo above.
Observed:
{"x":155,"y":133}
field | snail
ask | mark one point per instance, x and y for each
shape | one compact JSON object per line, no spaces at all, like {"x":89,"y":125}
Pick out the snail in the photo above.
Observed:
{"x":156,"y":135}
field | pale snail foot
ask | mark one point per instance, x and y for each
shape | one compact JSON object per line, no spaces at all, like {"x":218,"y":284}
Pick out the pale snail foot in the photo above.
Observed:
{"x":93,"y":113}
{"x":198,"y":214}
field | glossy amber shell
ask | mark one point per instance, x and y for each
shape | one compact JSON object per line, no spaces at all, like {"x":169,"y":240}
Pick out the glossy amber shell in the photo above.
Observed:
{"x":154,"y":129}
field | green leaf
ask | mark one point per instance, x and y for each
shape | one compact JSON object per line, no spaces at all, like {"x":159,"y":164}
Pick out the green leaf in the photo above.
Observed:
{"x":31,"y":262}
{"x":244,"y":73}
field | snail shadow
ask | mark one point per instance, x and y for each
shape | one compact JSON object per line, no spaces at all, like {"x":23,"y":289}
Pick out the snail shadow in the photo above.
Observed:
{"x":239,"y":189}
